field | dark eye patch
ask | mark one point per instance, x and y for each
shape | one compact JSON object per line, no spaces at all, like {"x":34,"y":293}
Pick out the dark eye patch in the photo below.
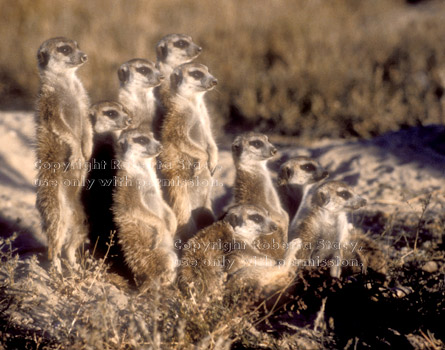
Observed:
{"x":308,"y":167}
{"x":65,"y":49}
{"x":256,"y":143}
{"x":196,"y":74}
{"x":142,"y":140}
{"x":111,"y":113}
{"x":256,"y":218}
{"x":344,"y":194}
{"x":181,"y":44}
{"x":143,"y":70}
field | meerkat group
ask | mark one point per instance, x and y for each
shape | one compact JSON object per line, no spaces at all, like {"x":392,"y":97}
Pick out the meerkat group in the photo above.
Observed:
{"x":165,"y":223}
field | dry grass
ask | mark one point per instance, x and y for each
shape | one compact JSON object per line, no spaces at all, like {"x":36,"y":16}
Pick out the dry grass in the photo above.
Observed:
{"x":307,"y":68}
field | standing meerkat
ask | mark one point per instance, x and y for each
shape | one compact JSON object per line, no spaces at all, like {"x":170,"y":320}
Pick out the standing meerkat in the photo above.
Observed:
{"x":145,"y":223}
{"x":138,"y":78}
{"x":253,"y":185}
{"x":190,"y":153}
{"x":64,"y":145}
{"x":325,"y":231}
{"x":221,"y":248}
{"x":109,"y":118}
{"x":296,"y":178}
{"x":171,"y":51}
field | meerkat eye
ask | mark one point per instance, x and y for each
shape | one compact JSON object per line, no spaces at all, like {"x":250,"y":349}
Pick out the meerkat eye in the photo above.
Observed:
{"x":256,"y":143}
{"x":345,"y":194}
{"x":308,"y":167}
{"x":141,"y":140}
{"x":182,"y":44}
{"x":197,"y":74}
{"x":256,"y":218}
{"x":143,"y":70}
{"x":65,"y":49}
{"x":112,"y":114}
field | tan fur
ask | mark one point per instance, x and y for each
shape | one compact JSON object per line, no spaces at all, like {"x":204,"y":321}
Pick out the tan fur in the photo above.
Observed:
{"x":138,"y":78}
{"x":145,"y":223}
{"x":325,"y":231}
{"x":171,"y":51}
{"x":64,"y":140}
{"x":296,"y":178}
{"x":190,"y":153}
{"x":253,"y":185}
{"x":223,"y":248}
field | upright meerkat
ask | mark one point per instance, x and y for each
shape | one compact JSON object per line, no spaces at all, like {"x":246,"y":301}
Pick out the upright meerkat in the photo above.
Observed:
{"x":325,"y":231}
{"x":138,"y":78}
{"x":109,"y":118}
{"x":296,"y":178}
{"x":221,"y":248}
{"x":146,"y":224}
{"x":253,"y":185}
{"x":64,"y":144}
{"x":171,"y":51}
{"x":190,"y":153}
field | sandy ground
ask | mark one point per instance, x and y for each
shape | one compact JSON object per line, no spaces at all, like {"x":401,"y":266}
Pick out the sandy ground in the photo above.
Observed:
{"x":396,"y":172}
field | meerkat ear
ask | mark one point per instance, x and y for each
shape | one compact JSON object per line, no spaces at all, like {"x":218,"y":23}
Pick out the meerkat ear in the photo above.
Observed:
{"x":321,"y":199}
{"x":93,"y":116}
{"x":175,"y":79}
{"x":43,"y":58}
{"x":161,"y":52}
{"x":237,"y":147}
{"x":123,"y":73}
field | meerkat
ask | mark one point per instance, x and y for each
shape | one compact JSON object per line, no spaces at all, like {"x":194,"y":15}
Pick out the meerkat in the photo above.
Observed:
{"x":109,"y":118}
{"x":253,"y":185}
{"x":325,"y":231}
{"x":296,"y":178}
{"x":171,"y":51}
{"x":219,"y":249}
{"x":190,"y":153}
{"x":64,"y":145}
{"x":145,"y":223}
{"x":138,"y":78}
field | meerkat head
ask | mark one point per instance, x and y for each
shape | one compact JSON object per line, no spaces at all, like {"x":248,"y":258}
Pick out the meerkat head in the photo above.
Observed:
{"x":109,"y":116}
{"x":191,"y":79}
{"x":337,"y":196}
{"x":175,"y":49}
{"x":60,"y":55}
{"x":139,"y":73}
{"x":252,"y":148}
{"x":301,"y":171}
{"x":134,"y":144}
{"x":249,"y":222}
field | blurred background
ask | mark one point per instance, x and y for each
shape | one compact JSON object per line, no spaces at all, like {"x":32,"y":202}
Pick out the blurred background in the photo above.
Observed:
{"x":306,"y":68}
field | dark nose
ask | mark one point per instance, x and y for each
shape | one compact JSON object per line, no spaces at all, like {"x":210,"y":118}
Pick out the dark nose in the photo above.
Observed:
{"x":161,"y":77}
{"x":273,"y":151}
{"x":324,"y":174}
{"x":83,"y":57}
{"x":273,"y":226}
{"x":128,"y":121}
{"x":199,"y":48}
{"x":159,"y":148}
{"x":214,"y":82}
{"x":363,"y":202}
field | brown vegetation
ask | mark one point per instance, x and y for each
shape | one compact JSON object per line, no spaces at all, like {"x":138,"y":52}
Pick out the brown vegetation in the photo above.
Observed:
{"x":304,"y":68}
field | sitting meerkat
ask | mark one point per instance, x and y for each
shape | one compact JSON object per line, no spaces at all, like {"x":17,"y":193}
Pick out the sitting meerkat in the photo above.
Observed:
{"x":296,"y":178}
{"x":253,"y":185}
{"x":109,"y":118}
{"x":171,"y":51}
{"x":138,"y":78}
{"x":190,"y":153}
{"x":325,"y":231}
{"x":145,"y":223}
{"x":221,"y":248}
{"x":64,"y":141}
